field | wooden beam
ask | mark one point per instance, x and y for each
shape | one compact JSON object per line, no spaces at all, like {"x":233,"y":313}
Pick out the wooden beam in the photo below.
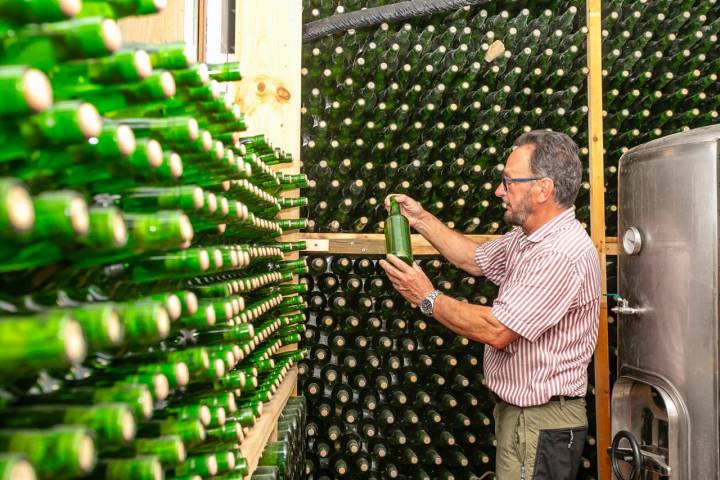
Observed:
{"x":202,"y":31}
{"x":370,"y":243}
{"x":597,"y":230}
{"x":259,"y":435}
{"x":374,"y":243}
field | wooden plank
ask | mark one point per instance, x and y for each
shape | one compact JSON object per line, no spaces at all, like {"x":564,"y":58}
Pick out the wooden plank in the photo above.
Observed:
{"x":597,"y":231}
{"x":268,"y":43}
{"x":202,"y":31}
{"x":287,"y":348}
{"x":374,"y":243}
{"x":166,"y":26}
{"x":370,"y":243}
{"x":256,"y":439}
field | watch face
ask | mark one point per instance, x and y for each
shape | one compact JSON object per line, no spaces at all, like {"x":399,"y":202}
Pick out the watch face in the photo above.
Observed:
{"x":425,"y":306}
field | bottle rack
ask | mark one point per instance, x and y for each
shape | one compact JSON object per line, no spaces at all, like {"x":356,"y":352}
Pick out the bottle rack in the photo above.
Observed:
{"x":364,"y":243}
{"x":269,"y":95}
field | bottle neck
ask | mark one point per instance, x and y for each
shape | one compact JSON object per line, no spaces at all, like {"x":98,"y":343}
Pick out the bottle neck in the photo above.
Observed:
{"x":394,"y":207}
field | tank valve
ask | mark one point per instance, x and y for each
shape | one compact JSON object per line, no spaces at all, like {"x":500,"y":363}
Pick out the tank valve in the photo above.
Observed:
{"x":623,"y":307}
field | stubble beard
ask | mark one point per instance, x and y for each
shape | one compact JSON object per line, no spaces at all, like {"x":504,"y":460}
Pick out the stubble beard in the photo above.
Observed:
{"x":518,"y":214}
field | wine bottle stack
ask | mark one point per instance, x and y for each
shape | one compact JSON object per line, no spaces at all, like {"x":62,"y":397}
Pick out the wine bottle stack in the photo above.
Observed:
{"x":144,"y":295}
{"x":661,"y":66}
{"x":431,"y":108}
{"x":391,"y":393}
{"x":286,"y":456}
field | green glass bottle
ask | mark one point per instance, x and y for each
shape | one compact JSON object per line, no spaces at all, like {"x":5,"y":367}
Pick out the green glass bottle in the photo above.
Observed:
{"x":44,"y":45}
{"x":169,"y":449}
{"x":126,"y":66}
{"x":63,"y":451}
{"x":113,"y":98}
{"x":15,"y":467}
{"x":120,"y":8}
{"x":112,"y":424}
{"x":225,"y":72}
{"x":137,"y":397}
{"x":145,"y":467}
{"x":190,"y":431}
{"x":30,"y":343}
{"x":397,"y":234}
{"x":25,"y":90}
{"x":19,"y":12}
{"x":100,"y":323}
{"x":17,"y":215}
{"x":62,"y":124}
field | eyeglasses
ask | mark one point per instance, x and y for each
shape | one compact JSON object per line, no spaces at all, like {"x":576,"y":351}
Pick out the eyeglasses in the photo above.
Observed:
{"x":508,"y":180}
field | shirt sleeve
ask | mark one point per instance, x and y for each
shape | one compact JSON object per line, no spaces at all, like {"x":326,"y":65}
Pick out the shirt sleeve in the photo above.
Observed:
{"x":491,"y":257}
{"x":538,"y":296}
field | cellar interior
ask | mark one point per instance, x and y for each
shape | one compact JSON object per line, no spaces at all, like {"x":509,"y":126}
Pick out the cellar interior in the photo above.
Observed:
{"x":194,"y":222}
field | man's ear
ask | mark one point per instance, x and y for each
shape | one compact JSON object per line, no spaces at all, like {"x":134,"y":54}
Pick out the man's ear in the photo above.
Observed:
{"x":546,"y":190}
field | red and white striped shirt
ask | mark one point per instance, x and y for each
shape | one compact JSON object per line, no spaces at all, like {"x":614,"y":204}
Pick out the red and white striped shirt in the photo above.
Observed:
{"x":549,"y":295}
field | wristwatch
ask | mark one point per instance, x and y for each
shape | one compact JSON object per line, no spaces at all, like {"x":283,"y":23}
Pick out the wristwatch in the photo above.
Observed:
{"x":428,"y":303}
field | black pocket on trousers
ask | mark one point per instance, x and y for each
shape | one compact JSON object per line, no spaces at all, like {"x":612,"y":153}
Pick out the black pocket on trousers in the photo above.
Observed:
{"x":558,"y":453}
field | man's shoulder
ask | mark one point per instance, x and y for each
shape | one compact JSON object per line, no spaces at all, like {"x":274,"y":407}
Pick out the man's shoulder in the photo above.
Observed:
{"x":571,"y":241}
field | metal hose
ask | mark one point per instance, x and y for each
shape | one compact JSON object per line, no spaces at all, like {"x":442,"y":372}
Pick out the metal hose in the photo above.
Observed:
{"x":377,"y":15}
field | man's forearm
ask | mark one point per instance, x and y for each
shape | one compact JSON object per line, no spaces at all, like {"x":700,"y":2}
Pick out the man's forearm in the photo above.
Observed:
{"x":475,"y":322}
{"x":454,"y":246}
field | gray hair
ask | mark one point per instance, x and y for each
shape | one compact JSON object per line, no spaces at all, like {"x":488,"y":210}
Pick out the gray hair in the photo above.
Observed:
{"x":555,"y":156}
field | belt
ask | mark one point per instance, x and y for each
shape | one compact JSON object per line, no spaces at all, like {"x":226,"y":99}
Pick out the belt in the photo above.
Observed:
{"x":554,"y":398}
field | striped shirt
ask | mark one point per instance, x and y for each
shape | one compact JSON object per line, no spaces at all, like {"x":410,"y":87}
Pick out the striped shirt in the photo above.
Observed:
{"x":550,"y":296}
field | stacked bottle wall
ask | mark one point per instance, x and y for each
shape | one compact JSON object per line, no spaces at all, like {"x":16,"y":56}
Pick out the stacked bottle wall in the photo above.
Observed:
{"x":391,"y":393}
{"x":431,"y":108}
{"x":144,"y":293}
{"x":661,"y":67}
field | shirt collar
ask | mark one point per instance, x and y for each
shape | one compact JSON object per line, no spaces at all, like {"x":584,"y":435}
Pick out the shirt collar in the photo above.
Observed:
{"x":552,"y":225}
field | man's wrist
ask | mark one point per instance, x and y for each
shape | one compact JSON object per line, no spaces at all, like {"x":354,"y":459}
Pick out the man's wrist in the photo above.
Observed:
{"x":422,"y":225}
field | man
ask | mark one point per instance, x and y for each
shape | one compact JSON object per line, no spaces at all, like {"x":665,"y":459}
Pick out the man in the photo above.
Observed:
{"x":542,"y":328}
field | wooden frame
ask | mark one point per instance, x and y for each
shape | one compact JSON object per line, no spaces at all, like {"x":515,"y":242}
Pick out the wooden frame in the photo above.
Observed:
{"x":597,"y":230}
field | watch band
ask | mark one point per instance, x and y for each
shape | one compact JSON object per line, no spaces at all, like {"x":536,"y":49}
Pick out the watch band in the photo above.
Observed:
{"x":431,"y":299}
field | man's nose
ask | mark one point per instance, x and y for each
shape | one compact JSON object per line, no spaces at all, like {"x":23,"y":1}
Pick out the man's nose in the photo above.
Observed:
{"x":500,"y":190}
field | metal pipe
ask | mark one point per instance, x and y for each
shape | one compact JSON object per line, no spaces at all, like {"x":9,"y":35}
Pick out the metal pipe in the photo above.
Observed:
{"x":385,"y":14}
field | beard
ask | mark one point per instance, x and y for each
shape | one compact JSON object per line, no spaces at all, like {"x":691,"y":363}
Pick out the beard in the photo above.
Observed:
{"x":517,"y":214}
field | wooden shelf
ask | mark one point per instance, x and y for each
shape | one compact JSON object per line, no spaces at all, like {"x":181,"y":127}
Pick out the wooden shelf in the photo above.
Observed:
{"x":374,"y":243}
{"x":266,"y":427}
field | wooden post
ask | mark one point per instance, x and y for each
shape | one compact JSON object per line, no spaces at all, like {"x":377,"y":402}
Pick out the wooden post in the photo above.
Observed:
{"x":202,"y":30}
{"x":597,"y":230}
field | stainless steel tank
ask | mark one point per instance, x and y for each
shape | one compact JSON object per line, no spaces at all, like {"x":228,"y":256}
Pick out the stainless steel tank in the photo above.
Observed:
{"x":666,"y":395}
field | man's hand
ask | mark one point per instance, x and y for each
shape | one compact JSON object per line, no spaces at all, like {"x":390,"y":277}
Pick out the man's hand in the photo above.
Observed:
{"x":410,"y":281}
{"x":408,"y":207}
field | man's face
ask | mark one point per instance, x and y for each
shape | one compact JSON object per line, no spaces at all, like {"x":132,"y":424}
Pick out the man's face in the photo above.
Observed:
{"x":517,"y":197}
